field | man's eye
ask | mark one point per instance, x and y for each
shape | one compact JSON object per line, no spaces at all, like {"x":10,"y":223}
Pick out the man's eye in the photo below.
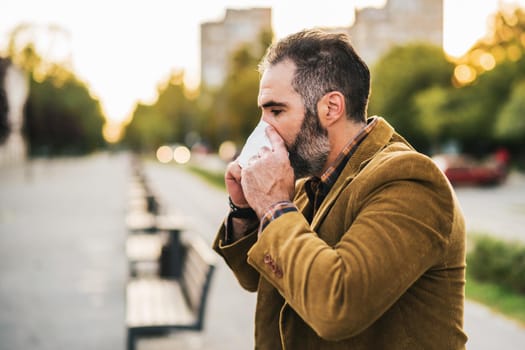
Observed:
{"x":276,"y":112}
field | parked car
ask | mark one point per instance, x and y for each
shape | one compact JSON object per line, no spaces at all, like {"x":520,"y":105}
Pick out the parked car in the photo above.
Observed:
{"x":465,"y":170}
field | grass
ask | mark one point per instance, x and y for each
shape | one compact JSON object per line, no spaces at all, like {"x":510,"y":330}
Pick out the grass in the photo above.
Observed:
{"x":214,"y":178}
{"x":499,"y":299}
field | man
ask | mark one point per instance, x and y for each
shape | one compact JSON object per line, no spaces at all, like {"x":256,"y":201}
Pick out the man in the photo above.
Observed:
{"x":351,"y":238}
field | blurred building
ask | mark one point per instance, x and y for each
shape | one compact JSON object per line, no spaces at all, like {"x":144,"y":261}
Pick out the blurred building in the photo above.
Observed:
{"x":220,"y":39}
{"x":14,"y":89}
{"x":373,"y":33}
{"x":376,"y":30}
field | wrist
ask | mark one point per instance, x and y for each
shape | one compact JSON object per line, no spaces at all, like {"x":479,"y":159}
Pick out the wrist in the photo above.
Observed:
{"x":239,"y":222}
{"x":269,"y":207}
{"x":240,"y":212}
{"x":276,"y":210}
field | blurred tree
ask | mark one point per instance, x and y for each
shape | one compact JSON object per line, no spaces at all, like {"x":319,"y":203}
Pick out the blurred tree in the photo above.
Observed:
{"x":226,"y":113}
{"x":430,"y":105}
{"x":177,"y":107}
{"x":147,"y":129}
{"x":209,"y":105}
{"x":485,"y":78}
{"x":504,"y":42}
{"x":235,"y":107}
{"x":61,"y":116}
{"x":510,"y":126}
{"x":477,"y":107}
{"x":398,"y":77}
{"x":40,"y":49}
{"x":238,"y":97}
{"x":413,"y":90}
{"x":169,"y":120}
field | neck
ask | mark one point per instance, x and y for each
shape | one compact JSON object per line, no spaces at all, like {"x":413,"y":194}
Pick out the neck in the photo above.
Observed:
{"x":339,"y":136}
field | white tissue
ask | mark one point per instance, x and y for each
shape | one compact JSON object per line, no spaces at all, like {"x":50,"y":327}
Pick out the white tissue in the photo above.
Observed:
{"x":254,"y":143}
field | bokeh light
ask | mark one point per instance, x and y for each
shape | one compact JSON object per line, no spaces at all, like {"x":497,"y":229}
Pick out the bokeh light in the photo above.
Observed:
{"x":164,"y":154}
{"x":112,"y":131}
{"x":487,"y":61}
{"x":181,"y":154}
{"x":464,"y":74}
{"x":514,"y":52}
{"x":499,"y":53}
{"x":227,"y":150}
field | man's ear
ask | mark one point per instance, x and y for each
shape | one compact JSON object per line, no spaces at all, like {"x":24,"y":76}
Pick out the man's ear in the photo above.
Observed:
{"x":331,"y":108}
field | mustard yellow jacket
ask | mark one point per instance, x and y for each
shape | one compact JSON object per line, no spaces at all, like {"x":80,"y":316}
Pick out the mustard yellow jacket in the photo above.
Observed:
{"x":381,"y":266}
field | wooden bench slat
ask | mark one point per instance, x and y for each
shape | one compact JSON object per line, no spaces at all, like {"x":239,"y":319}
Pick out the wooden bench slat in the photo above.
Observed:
{"x":142,"y":246}
{"x":156,"y":302}
{"x":140,"y":221}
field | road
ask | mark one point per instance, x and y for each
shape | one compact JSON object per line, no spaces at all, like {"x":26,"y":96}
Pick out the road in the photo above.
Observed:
{"x":498,"y":210}
{"x":63,"y":266}
{"x":62,"y":260}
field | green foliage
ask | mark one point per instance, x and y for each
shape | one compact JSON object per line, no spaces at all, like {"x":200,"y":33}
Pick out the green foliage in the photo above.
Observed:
{"x":479,"y":105}
{"x":429,"y":105}
{"x":510,"y":126}
{"x":237,"y":108}
{"x":235,"y":104}
{"x":168,"y":120}
{"x":499,"y":298}
{"x":398,"y":77}
{"x":214,"y":178}
{"x":228,"y":112}
{"x":412,"y":88}
{"x":499,"y":262}
{"x":148,"y":129}
{"x":481,"y":102}
{"x":61,"y":116}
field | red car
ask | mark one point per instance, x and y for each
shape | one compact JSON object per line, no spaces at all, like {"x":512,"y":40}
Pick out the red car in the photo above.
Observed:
{"x":464,"y":170}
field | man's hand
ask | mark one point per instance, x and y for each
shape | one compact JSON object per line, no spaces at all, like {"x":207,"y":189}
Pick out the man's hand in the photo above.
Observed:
{"x":269,"y":177}
{"x":232,"y":178}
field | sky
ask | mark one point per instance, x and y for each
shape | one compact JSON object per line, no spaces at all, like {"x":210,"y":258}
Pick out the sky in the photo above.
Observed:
{"x":125,"y":49}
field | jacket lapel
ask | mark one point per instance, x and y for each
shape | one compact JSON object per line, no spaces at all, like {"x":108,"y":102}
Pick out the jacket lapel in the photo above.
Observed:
{"x":378,"y":138}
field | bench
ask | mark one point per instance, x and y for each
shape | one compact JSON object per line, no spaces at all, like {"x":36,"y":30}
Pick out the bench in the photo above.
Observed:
{"x":156,"y":247}
{"x":141,"y":195}
{"x":157,"y":305}
{"x":144,"y":251}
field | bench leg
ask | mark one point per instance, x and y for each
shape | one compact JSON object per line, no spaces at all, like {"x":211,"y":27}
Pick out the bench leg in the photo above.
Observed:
{"x":131,"y":340}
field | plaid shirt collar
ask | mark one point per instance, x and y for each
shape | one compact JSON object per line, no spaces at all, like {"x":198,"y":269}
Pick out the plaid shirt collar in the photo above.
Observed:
{"x":317,"y":188}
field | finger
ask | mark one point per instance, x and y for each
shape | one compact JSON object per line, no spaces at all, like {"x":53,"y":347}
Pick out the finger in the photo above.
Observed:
{"x":275,"y":139}
{"x":233,"y":171}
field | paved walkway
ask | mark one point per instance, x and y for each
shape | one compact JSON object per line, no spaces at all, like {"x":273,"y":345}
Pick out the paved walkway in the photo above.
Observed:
{"x":63,"y":267}
{"x":62,"y":263}
{"x":498,"y":210}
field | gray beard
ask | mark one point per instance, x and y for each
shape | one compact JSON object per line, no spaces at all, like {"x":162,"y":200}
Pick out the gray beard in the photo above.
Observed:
{"x":309,"y":152}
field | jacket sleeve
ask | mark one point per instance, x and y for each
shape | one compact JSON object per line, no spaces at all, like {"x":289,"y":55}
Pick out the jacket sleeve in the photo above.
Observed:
{"x":397,"y":229}
{"x":235,"y":255}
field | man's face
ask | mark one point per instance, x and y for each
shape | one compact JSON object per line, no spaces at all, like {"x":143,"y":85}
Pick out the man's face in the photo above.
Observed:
{"x":283,"y":108}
